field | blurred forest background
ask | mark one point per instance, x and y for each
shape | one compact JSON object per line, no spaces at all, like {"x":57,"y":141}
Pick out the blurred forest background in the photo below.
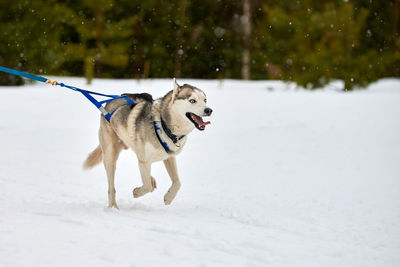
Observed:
{"x":308,"y":42}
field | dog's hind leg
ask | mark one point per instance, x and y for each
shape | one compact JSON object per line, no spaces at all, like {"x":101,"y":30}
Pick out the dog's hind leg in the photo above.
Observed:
{"x":111,"y":149}
{"x":148,"y":181}
{"x":170,"y":165}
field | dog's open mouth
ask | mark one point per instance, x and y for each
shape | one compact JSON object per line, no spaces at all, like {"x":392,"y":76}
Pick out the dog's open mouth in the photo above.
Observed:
{"x":197,"y":121}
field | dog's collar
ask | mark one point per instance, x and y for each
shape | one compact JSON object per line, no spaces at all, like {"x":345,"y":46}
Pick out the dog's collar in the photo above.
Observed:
{"x":173,"y":137}
{"x":159,"y":133}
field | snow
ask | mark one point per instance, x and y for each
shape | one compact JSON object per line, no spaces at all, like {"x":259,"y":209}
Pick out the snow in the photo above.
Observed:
{"x":282,"y":177}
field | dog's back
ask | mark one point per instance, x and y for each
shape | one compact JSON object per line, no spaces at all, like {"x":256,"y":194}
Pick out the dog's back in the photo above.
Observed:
{"x":136,"y":98}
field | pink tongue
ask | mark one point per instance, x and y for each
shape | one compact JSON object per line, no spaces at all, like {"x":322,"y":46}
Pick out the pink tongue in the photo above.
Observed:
{"x":199,"y":120}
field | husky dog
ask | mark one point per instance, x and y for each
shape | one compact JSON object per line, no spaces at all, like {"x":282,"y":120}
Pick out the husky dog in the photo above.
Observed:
{"x":154,"y":130}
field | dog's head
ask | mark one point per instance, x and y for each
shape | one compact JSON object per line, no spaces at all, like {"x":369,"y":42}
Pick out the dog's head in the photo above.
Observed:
{"x":192,"y":103}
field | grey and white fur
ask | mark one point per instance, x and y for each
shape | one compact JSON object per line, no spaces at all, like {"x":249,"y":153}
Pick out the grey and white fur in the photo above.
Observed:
{"x":132,"y":126}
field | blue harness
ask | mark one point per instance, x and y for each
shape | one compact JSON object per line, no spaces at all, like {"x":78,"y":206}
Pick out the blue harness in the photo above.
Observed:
{"x":87,"y":94}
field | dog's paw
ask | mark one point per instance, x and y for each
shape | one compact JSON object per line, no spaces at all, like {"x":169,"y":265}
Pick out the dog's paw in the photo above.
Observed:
{"x":114,"y":205}
{"x":137,"y":192}
{"x":168,"y":197}
{"x":140,"y":191}
{"x":167,"y":200}
{"x":171,"y":194}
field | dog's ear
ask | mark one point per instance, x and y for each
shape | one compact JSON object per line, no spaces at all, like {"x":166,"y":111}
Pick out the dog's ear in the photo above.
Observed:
{"x":176,"y":90}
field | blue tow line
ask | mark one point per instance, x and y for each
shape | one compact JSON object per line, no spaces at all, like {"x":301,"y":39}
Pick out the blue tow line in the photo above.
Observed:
{"x":87,"y":94}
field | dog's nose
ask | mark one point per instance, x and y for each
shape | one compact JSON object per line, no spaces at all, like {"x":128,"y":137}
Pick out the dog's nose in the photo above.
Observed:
{"x":208,"y":111}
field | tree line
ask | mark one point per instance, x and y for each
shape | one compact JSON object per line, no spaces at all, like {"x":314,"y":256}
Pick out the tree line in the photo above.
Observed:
{"x":308,"y":42}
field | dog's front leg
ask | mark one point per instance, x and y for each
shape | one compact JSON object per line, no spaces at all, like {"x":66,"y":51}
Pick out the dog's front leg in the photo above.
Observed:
{"x":148,"y":181}
{"x":170,"y":165}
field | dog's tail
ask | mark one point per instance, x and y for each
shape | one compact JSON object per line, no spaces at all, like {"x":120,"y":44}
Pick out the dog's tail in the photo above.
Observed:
{"x":93,"y":158}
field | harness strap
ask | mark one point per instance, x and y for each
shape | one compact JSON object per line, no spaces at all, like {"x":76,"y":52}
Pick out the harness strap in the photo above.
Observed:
{"x":86,"y":93}
{"x":160,"y":138}
{"x":129,"y":102}
{"x":23,"y":74}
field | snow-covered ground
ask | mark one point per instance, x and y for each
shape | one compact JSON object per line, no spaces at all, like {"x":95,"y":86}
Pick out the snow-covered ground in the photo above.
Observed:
{"x":282,"y":177}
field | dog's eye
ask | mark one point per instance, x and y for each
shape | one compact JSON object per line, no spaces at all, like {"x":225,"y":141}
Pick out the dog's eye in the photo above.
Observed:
{"x":205,"y":100}
{"x":192,"y":101}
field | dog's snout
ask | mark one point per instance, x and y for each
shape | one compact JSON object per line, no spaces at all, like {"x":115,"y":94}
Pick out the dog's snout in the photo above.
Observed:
{"x":208,"y":111}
